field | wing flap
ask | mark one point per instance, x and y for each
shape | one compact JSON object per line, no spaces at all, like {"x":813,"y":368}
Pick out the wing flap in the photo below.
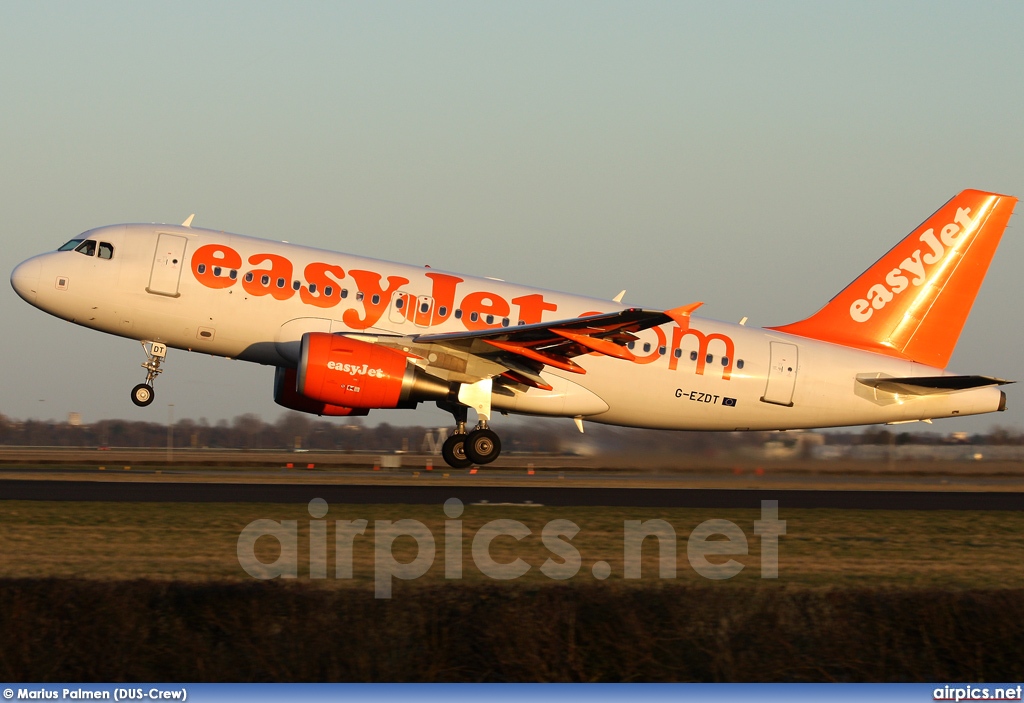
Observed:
{"x":559,"y":362}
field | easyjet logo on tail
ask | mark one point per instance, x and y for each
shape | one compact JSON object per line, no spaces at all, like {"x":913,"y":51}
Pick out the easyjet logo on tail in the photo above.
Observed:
{"x":913,"y":270}
{"x":937,"y":269}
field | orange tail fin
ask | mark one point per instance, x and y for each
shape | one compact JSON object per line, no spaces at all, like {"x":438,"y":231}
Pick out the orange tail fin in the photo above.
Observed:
{"x":913,"y":302}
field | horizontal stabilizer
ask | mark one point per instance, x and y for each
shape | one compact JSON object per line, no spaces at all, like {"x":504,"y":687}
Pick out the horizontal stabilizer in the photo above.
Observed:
{"x":930,"y":385}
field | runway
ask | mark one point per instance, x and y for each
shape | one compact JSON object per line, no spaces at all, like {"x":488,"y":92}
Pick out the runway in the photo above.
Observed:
{"x":210,"y":492}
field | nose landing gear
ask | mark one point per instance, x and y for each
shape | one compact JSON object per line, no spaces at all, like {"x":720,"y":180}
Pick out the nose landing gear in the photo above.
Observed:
{"x":143,"y":394}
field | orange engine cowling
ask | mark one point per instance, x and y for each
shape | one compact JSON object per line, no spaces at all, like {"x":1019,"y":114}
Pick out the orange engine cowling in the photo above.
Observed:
{"x":347,"y":372}
{"x":286,"y":396}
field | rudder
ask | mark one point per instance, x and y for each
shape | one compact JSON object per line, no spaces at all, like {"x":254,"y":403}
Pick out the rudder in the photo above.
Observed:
{"x":913,"y":302}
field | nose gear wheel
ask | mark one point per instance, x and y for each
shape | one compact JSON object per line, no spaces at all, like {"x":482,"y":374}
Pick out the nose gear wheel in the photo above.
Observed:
{"x":143,"y":394}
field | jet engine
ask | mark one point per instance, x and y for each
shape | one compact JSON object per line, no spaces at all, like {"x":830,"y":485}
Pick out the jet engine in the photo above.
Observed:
{"x":343,"y":372}
{"x":286,"y":395}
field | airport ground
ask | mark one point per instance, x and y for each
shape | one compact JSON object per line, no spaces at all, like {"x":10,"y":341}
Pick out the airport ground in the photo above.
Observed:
{"x":121,"y":589}
{"x":692,"y":470}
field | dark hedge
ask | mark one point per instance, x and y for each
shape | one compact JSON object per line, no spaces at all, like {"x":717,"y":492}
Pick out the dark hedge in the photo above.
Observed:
{"x":57,"y":630}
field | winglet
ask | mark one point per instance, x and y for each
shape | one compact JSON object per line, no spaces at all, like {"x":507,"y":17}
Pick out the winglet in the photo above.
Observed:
{"x":913,"y":302}
{"x":188,"y":222}
{"x":681,"y":315}
{"x":618,"y":298}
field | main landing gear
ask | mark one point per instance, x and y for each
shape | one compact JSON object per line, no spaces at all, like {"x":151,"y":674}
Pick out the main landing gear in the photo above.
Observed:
{"x":143,"y":394}
{"x":461,"y":450}
{"x":481,"y":445}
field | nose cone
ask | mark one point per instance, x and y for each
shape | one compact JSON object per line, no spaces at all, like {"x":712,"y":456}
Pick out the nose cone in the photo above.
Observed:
{"x":25,"y":279}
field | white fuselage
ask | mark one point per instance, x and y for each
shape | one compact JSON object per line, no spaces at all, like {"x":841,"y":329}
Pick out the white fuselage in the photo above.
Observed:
{"x":252,"y":299}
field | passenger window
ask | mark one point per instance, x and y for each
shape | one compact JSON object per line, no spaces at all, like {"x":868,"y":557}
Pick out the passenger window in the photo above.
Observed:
{"x":442,"y":311}
{"x":474,"y":316}
{"x":359,"y":296}
{"x":709,"y":358}
{"x":296,"y":285}
{"x":234,"y":274}
{"x":399,"y":303}
{"x":280,"y":283}
{"x":739,"y":363}
{"x":647,"y":346}
{"x":725,"y":361}
{"x":375,"y":299}
{"x":248,"y":277}
{"x":693,"y":356}
{"x":504,"y":322}
{"x":425,"y":307}
{"x":344,"y":292}
{"x":216,"y":271}
{"x":328,"y":290}
{"x":458,"y":313}
{"x":661,"y":351}
{"x":106,"y":251}
{"x":201,"y":269}
{"x":312,"y":288}
{"x":678,"y":353}
{"x":490,"y":319}
{"x":88,"y":247}
{"x":265,"y":279}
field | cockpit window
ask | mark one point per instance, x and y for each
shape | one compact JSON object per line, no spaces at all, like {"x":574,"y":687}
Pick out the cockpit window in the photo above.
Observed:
{"x":106,"y":251}
{"x":70,"y":245}
{"x":88,"y":247}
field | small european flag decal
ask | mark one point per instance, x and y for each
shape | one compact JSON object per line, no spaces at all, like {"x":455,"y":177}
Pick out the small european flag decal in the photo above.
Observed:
{"x":729,"y":402}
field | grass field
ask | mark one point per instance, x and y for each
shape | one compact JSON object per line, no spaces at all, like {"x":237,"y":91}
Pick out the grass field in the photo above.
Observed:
{"x":821,"y":548}
{"x":155,"y":591}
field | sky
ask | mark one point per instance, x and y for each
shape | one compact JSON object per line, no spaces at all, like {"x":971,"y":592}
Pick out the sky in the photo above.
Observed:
{"x":756,"y":156}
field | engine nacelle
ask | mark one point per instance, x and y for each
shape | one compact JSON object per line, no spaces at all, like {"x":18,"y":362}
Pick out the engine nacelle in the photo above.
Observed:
{"x":286,"y":395}
{"x":342,"y":371}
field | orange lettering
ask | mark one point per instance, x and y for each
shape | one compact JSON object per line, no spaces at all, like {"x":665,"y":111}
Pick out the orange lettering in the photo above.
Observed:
{"x":653,"y":356}
{"x":443,"y":293}
{"x":532,"y":307}
{"x":212,"y":256}
{"x":408,"y":306}
{"x":316,"y":273}
{"x":703,"y":340}
{"x":368,"y":283}
{"x":482,"y":304}
{"x":275,"y":281}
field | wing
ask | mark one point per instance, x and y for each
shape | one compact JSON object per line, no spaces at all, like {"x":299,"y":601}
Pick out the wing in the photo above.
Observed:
{"x":518,"y":354}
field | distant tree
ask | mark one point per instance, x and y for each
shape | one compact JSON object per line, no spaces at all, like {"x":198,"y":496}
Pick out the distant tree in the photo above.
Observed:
{"x":247,"y":430}
{"x":294,"y":427}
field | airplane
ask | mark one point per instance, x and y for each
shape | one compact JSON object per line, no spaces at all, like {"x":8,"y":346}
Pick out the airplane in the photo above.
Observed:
{"x":347,"y":334}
